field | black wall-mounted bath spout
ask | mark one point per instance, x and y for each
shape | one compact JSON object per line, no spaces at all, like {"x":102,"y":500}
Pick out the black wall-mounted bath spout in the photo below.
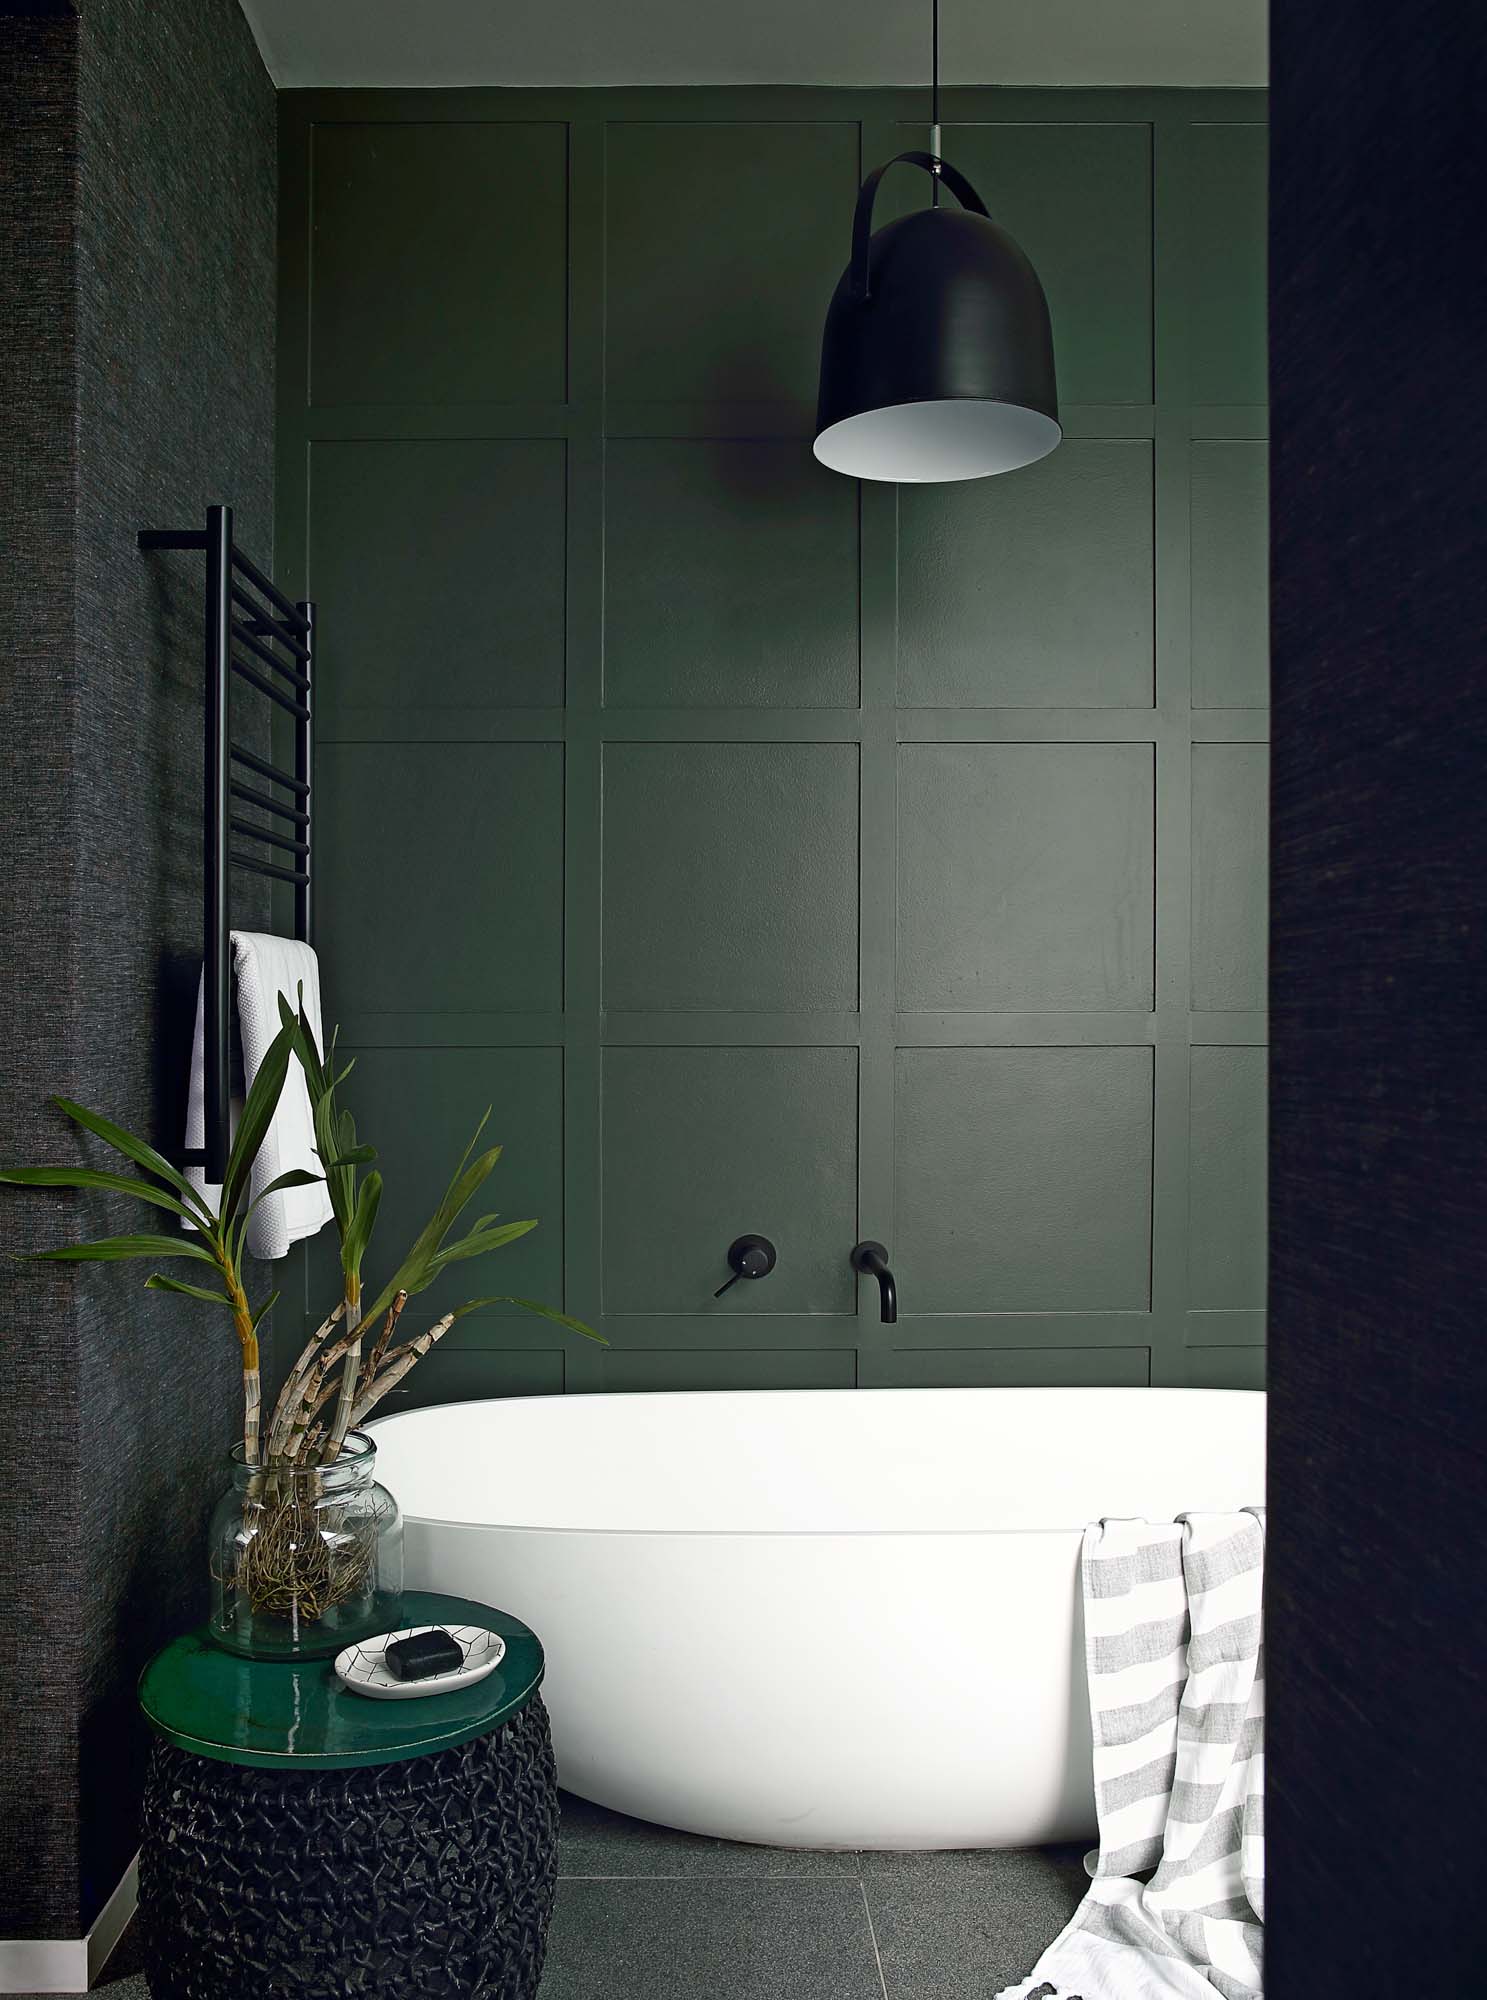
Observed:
{"x":872,"y":1260}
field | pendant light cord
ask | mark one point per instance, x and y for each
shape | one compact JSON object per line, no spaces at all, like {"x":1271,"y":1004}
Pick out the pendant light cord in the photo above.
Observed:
{"x":934,"y":100}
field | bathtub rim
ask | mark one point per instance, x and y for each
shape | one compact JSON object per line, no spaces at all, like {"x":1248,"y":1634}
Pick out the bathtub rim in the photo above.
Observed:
{"x":412,"y":1515}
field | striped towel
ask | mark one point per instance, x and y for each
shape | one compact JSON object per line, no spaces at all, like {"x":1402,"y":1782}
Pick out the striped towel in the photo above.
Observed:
{"x":1172,"y":1639}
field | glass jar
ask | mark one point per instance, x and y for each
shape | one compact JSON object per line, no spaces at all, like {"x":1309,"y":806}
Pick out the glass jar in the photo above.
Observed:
{"x":305,"y":1559}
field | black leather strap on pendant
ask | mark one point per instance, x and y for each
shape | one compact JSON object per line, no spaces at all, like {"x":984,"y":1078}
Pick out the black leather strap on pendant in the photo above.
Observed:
{"x":862,"y":221}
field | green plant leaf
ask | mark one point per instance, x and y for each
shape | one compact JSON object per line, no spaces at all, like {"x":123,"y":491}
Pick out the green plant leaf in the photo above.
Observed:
{"x":478,"y":1242}
{"x":112,"y":1249}
{"x":359,"y":1156}
{"x":155,"y":1283}
{"x":533,"y":1306}
{"x":418,"y":1269}
{"x":87,"y":1177}
{"x":142,"y":1154}
{"x":321,"y":1083}
{"x":267,"y":1307}
{"x":296,"y":1024}
{"x":296,"y":1177}
{"x":259,"y":1107}
{"x":354,"y":1245}
{"x":234,"y":1232}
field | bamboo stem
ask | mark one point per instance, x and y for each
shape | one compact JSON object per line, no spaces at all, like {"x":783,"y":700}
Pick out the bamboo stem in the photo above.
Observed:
{"x":317,"y":1392}
{"x":288,"y":1400}
{"x":350,"y":1371}
{"x":252,"y":1382}
{"x":252,"y":1398}
{"x":402,"y":1360}
{"x":379,"y":1345}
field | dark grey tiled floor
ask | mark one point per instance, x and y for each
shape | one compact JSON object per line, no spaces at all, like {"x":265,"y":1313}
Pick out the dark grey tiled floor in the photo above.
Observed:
{"x":647,"y":1914}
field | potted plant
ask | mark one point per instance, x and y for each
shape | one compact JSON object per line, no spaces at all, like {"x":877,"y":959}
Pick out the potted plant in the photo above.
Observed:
{"x":306,"y":1548}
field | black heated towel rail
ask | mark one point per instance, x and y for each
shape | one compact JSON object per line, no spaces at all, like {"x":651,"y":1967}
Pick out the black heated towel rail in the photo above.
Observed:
{"x":254,"y":634}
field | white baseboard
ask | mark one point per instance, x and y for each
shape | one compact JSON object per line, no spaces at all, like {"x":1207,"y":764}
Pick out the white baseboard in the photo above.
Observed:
{"x":69,"y":1965}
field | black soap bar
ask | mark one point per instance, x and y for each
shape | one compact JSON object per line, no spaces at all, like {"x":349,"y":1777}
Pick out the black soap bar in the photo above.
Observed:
{"x":424,"y":1654}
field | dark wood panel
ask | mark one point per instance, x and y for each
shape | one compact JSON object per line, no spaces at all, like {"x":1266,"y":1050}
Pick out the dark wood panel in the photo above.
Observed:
{"x":420,"y":1107}
{"x":723,"y":244}
{"x":643,"y":1368}
{"x":703,"y":1145}
{"x":1231,"y":557}
{"x":730,"y":576}
{"x":730,"y":876}
{"x":441,"y":875}
{"x":1043,"y":1366}
{"x":1032,"y":590}
{"x":1377,"y":1643}
{"x":439,"y":569}
{"x":1226,"y":1260}
{"x":1025,"y":877}
{"x":1230,"y":845}
{"x":1024,"y":1179}
{"x":1226,"y":261}
{"x":438,"y":263}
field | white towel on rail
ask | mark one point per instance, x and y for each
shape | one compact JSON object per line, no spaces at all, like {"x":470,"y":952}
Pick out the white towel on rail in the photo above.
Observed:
{"x":1172,"y":1634}
{"x":263,"y":967}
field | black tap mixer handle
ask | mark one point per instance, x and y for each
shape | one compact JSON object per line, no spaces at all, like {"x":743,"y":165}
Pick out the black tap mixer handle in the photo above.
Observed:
{"x":748,"y":1257}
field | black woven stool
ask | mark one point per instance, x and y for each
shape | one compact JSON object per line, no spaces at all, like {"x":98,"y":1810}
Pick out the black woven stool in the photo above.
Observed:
{"x":304,"y":1843}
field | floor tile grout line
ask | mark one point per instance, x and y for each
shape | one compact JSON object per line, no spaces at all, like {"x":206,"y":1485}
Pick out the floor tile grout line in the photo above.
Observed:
{"x":872,"y":1931}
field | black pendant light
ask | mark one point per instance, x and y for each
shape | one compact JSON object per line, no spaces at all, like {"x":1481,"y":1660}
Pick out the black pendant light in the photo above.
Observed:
{"x":937,"y":359}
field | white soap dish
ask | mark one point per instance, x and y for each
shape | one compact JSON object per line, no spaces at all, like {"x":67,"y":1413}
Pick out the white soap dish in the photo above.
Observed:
{"x":364,"y":1670}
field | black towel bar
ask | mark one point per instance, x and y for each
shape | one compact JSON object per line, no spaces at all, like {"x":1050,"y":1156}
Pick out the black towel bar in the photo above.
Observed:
{"x":243,"y":633}
{"x":265,"y":686}
{"x":267,"y":770}
{"x":272,"y":620}
{"x":252,"y":866}
{"x":265,"y":803}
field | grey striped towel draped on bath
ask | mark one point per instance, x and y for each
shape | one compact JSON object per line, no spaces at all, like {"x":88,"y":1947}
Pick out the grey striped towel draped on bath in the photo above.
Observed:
{"x":1172,"y":1633}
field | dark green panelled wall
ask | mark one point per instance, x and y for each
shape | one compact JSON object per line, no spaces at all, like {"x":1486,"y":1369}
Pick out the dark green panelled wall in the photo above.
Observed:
{"x":776,"y":854}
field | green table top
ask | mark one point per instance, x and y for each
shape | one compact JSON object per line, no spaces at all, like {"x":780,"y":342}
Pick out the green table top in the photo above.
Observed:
{"x":272,"y":1715}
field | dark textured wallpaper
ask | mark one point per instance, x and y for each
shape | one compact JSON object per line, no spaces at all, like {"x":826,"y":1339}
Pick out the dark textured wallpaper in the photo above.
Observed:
{"x":1377,"y":1640}
{"x":39,"y":1427}
{"x":146,"y":134}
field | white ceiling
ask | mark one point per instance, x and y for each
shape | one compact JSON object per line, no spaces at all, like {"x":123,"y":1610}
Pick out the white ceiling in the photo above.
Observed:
{"x":442,"y":43}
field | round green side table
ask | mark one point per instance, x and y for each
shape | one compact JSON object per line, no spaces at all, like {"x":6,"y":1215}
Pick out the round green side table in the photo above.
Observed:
{"x":300,"y":1840}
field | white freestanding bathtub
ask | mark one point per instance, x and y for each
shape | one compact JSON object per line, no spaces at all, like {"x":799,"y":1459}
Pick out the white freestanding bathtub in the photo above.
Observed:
{"x":812,"y":1618}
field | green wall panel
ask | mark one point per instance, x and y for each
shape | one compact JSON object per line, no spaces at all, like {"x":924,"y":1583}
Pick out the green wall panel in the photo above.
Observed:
{"x":1230,"y":851}
{"x":730,"y":576}
{"x":420,"y":1108}
{"x":1226,"y":248}
{"x":398,"y":528}
{"x":730,"y":876}
{"x":776,"y":853}
{"x":438,"y":264}
{"x":1024,"y":1179}
{"x":440,"y":875}
{"x":1033,"y":590}
{"x":641,"y":1368}
{"x":1077,"y":197}
{"x":1231,"y":581}
{"x":1022,"y":1367}
{"x":1226,"y":1256}
{"x":1226,"y":1368}
{"x":730,"y":238}
{"x":703,"y":1145}
{"x":1025,"y":876}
